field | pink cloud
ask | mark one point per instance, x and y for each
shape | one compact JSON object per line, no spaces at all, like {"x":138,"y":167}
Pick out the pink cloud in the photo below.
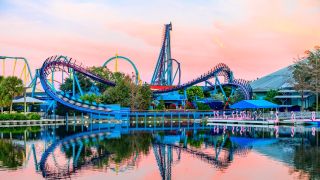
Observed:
{"x":253,"y":38}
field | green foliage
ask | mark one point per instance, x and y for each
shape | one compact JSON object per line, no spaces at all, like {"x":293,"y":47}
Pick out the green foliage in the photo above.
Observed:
{"x":193,"y":92}
{"x":11,"y":156}
{"x":237,"y":96}
{"x":203,"y":107}
{"x":145,"y":97}
{"x":9,"y":88}
{"x":227,"y":90}
{"x":218,"y":97}
{"x":91,"y":98}
{"x":307,"y":158}
{"x":306,"y":74}
{"x":120,"y":94}
{"x":195,"y":142}
{"x":301,"y":75}
{"x":126,"y":93}
{"x":270,"y":96}
{"x":85,"y":83}
{"x":5,"y":100}
{"x":20,"y":130}
{"x":19,"y":116}
{"x":121,"y":149}
{"x":33,"y":116}
{"x":206,"y":94}
{"x":161,"y":105}
{"x":7,"y":116}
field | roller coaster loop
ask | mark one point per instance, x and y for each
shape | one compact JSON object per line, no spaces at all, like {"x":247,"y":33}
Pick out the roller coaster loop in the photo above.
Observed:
{"x":137,"y":75}
{"x":56,"y":63}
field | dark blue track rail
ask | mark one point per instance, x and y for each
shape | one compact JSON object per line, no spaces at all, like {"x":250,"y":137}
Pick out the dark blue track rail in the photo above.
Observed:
{"x":73,"y":139}
{"x":56,"y":63}
{"x":219,"y":70}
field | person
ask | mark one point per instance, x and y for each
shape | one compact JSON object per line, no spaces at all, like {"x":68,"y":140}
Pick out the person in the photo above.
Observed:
{"x":255,"y":115}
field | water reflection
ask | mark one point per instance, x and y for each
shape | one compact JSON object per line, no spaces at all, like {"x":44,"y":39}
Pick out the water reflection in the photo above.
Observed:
{"x":64,"y":155}
{"x":11,"y":155}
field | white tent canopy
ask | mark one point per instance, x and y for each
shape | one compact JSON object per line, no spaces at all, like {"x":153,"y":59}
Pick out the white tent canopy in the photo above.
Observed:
{"x":28,"y":100}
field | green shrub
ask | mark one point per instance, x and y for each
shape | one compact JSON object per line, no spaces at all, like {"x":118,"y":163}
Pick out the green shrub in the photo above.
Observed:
{"x":19,"y":116}
{"x":161,"y":105}
{"x":6,"y":116}
{"x":33,"y":116}
{"x":203,"y":107}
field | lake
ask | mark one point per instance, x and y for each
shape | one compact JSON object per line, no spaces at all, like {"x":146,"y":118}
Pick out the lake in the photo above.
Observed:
{"x":222,"y":152}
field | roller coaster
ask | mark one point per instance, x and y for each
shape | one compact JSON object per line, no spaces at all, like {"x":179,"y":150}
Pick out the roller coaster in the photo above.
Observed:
{"x":162,"y":82}
{"x":64,"y":64}
{"x":163,"y":152}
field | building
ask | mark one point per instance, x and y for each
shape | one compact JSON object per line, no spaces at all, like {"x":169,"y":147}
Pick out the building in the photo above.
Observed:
{"x":282,"y":81}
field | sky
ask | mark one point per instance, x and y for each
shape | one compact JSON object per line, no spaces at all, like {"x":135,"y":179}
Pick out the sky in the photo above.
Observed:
{"x":253,"y":37}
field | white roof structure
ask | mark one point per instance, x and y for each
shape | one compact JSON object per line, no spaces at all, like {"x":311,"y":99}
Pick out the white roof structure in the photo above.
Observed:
{"x":280,"y":79}
{"x":28,"y":100}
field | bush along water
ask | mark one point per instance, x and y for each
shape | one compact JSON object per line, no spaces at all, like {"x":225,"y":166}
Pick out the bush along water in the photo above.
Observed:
{"x":19,"y":116}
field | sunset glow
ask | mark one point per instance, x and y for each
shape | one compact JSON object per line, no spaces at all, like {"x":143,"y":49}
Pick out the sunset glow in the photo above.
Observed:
{"x":254,"y":38}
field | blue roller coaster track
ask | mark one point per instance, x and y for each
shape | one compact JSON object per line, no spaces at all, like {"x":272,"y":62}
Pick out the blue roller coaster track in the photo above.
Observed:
{"x":56,"y":63}
{"x":163,"y":153}
{"x":137,"y":75}
{"x":219,"y":70}
{"x":164,"y":70}
{"x":164,"y":75}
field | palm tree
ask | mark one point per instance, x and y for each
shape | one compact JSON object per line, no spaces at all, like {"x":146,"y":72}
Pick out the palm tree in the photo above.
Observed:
{"x":4,"y":98}
{"x":11,"y":87}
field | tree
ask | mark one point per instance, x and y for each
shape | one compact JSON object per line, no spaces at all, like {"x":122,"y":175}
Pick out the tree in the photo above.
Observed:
{"x":120,"y":94}
{"x":4,"y":98}
{"x":161,"y":105}
{"x":218,"y":97}
{"x":85,"y":83}
{"x":145,"y":97}
{"x":106,"y":74}
{"x":301,"y":77}
{"x":270,"y":96}
{"x":125,"y":93}
{"x":134,"y":96}
{"x":11,"y":155}
{"x":193,"y":92}
{"x":91,"y":98}
{"x":12,"y":86}
{"x":313,"y":72}
{"x":237,"y":96}
{"x":203,"y":106}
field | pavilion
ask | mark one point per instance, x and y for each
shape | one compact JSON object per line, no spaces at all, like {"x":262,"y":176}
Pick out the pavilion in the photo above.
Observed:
{"x":254,"y":104}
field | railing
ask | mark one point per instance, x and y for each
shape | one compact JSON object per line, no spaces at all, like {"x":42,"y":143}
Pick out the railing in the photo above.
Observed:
{"x":22,"y":123}
{"x":170,"y":119}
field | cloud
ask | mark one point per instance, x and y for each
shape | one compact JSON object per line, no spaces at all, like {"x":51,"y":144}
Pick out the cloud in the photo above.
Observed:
{"x":253,"y":37}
